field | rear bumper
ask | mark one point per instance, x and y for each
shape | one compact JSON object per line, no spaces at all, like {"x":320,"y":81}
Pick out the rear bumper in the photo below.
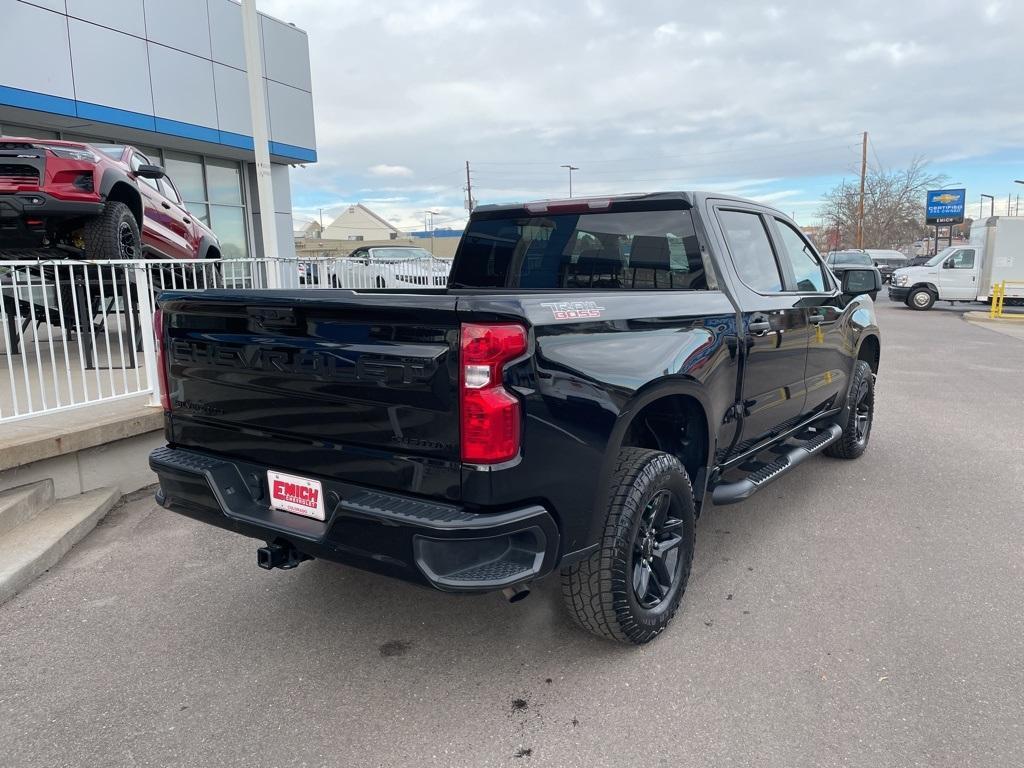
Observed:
{"x":436,"y":544}
{"x":898,"y":294}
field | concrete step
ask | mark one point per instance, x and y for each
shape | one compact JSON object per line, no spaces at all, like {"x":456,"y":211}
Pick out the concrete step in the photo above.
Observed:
{"x":39,"y":543}
{"x":21,"y":504}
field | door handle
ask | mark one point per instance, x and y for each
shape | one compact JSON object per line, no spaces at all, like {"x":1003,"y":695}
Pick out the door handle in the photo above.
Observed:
{"x":187,"y":220}
{"x":759,"y":327}
{"x":816,"y":319}
{"x":165,"y":205}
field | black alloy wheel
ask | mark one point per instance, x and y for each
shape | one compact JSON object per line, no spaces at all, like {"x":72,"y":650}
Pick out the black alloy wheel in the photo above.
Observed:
{"x":656,"y":562}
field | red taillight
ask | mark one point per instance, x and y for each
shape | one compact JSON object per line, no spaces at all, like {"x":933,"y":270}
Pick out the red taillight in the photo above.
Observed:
{"x":490,"y":413}
{"x":161,"y":362}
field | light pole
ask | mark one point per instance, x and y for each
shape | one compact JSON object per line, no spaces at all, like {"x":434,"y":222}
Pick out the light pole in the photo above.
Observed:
{"x":571,"y":168}
{"x":981,"y":206}
{"x":432,"y":215}
{"x":258,"y":110}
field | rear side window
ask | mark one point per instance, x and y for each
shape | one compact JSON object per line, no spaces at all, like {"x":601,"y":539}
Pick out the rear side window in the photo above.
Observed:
{"x":631,"y":250}
{"x":751,"y":250}
{"x":806,"y":269}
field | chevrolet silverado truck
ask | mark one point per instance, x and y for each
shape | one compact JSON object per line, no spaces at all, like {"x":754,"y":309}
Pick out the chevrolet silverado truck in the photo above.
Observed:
{"x":102,"y":201}
{"x":596,"y":373}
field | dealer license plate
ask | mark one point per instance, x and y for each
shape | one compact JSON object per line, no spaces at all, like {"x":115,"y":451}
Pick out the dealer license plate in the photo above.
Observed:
{"x":298,"y":495}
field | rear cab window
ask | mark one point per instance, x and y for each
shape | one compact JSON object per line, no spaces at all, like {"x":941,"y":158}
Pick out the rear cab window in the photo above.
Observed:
{"x":615,"y":250}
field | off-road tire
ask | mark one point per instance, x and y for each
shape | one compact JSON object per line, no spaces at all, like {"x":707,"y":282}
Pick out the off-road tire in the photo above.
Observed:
{"x":598,"y":591}
{"x":851,"y":445}
{"x":107,"y":235}
{"x":924,"y":305}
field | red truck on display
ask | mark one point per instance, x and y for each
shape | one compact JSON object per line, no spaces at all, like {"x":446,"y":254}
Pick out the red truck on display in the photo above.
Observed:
{"x":102,"y":201}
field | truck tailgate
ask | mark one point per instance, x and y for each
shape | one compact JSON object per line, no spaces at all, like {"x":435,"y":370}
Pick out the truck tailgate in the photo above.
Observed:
{"x":352,"y":386}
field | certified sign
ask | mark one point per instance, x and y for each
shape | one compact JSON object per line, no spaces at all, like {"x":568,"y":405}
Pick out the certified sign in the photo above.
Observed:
{"x":945,"y":206}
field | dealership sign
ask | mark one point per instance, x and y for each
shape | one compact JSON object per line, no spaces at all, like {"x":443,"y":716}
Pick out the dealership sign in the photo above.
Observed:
{"x":945,"y":206}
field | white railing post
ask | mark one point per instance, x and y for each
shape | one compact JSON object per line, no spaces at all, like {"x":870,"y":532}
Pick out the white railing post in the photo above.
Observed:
{"x":144,"y":289}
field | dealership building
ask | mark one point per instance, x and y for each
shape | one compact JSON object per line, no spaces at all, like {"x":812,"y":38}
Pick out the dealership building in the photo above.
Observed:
{"x":169,"y":77}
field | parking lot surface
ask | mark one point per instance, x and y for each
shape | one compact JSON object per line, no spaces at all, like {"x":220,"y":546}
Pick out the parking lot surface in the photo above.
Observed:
{"x":862,"y":613}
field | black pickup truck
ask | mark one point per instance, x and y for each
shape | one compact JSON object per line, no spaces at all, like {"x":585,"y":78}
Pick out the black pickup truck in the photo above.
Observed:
{"x":595,"y":374}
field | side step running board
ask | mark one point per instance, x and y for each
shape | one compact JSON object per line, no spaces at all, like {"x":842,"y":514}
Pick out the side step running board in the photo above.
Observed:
{"x":730,"y":493}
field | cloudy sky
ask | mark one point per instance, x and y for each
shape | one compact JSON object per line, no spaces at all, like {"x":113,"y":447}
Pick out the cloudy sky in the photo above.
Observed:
{"x":763,"y":100}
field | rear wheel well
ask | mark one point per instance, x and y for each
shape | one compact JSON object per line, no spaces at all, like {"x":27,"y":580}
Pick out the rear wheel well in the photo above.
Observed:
{"x":212,"y":252}
{"x":123,"y":192}
{"x":870,"y":352}
{"x":675,"y":424}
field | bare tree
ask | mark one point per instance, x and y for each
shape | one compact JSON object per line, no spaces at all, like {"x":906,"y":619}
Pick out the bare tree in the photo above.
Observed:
{"x":893,"y":207}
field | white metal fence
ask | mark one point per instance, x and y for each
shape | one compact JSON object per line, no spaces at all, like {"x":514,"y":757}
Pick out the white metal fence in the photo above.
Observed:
{"x":73,"y":333}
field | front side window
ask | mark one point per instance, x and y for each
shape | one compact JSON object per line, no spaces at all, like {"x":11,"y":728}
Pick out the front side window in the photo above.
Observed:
{"x":963,"y":259}
{"x":139,"y":160}
{"x":620,"y":250}
{"x":806,"y":269}
{"x":751,"y":250}
{"x":168,"y":190}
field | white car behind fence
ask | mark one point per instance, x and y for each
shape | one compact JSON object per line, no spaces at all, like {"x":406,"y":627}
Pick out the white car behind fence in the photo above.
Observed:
{"x":393,"y":267}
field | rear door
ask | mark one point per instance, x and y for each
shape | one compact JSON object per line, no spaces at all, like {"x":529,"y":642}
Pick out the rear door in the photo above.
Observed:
{"x":775,"y":322}
{"x":357,"y":387}
{"x":958,"y":275}
{"x":180,"y":221}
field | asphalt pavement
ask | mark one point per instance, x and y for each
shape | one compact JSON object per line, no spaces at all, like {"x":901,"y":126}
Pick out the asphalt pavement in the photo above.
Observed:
{"x":864,"y":613}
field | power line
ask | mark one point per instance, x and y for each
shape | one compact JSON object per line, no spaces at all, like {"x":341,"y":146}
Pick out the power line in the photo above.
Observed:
{"x":756,"y":150}
{"x":627,"y":173}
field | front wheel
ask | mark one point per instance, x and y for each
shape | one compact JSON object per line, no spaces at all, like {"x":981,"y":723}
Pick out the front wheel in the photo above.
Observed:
{"x":921,"y":299}
{"x":114,"y":234}
{"x":630,"y":588}
{"x":860,"y":414}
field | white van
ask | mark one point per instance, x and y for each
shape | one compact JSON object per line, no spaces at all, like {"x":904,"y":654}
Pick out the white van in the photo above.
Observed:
{"x":994,"y":253}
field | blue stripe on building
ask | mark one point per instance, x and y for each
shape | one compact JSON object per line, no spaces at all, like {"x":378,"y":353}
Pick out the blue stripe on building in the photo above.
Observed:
{"x":57,"y":105}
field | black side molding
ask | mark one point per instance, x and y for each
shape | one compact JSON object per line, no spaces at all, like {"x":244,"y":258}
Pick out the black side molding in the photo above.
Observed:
{"x":730,"y":493}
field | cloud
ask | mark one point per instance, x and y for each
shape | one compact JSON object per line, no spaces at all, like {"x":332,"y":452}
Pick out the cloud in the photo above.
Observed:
{"x":389,"y":170}
{"x":896,"y":53}
{"x":647,"y":95}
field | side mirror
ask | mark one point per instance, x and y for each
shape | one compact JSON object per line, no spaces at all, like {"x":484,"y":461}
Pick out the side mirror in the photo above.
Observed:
{"x":151,"y":172}
{"x":948,"y":264}
{"x":856,"y":282}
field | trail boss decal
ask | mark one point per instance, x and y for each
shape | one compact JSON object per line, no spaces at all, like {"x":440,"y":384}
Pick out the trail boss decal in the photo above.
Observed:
{"x":573,"y":310}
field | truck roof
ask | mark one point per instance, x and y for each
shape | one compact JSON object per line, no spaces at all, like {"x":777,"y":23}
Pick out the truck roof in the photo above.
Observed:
{"x":690,"y":199}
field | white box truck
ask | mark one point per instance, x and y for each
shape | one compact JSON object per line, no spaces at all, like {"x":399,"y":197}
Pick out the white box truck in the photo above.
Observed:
{"x":967,"y":272}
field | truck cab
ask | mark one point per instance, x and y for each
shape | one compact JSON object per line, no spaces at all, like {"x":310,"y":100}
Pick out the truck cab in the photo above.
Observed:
{"x":950,"y":275}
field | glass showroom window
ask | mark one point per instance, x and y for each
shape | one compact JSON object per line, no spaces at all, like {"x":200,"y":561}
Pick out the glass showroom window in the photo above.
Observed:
{"x":212,"y":191}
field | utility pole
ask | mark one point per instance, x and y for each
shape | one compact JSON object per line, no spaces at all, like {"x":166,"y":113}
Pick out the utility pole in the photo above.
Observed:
{"x":258,"y":109}
{"x":469,"y":190}
{"x":571,"y":169}
{"x":863,"y":178}
{"x":432,"y":215}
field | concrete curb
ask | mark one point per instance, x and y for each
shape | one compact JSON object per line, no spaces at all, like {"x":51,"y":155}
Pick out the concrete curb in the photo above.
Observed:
{"x":58,"y":434}
{"x":37,"y":545}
